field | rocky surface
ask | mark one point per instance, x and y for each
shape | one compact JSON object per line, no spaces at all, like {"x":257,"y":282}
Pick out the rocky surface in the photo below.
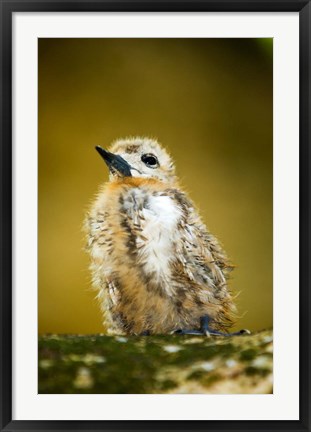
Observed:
{"x":156,"y":364}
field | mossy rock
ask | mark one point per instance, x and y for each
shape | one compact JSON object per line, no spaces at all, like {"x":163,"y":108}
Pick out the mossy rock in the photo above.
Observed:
{"x":155,"y":364}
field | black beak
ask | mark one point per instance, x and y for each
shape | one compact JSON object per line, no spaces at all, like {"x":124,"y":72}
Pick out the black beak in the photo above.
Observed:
{"x":115,"y":163}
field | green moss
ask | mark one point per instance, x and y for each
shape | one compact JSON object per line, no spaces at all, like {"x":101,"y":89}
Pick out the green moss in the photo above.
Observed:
{"x":204,"y":378}
{"x":251,"y":371}
{"x":102,"y":364}
{"x":211,"y":379}
{"x":196,"y":375}
{"x":248,"y":354}
{"x":167,"y":385}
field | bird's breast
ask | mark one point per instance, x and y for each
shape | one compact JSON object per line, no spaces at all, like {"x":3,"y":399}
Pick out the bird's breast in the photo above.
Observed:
{"x":155,"y":221}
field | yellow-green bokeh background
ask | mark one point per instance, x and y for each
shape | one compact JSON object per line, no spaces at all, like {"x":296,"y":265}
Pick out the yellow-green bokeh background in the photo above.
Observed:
{"x":209,"y":101}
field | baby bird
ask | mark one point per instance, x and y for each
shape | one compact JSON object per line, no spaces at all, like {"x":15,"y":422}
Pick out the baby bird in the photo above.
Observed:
{"x":155,"y":265}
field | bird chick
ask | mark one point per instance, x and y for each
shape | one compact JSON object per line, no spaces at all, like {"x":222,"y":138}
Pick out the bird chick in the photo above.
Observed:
{"x":155,"y":265}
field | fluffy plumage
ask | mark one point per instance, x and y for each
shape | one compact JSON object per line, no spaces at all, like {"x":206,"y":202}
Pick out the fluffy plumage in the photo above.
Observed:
{"x":154,"y":263}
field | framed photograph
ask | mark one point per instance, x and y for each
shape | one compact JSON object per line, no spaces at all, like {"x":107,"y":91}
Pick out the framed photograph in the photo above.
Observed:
{"x":155,"y":215}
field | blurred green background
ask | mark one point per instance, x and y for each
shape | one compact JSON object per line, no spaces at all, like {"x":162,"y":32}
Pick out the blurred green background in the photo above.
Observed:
{"x":209,"y":101}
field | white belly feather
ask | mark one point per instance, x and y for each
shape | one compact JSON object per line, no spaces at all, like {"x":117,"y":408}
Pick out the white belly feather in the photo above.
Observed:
{"x":159,"y":231}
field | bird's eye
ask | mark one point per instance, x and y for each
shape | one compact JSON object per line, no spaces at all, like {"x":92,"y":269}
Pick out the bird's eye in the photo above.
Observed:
{"x":150,"y":160}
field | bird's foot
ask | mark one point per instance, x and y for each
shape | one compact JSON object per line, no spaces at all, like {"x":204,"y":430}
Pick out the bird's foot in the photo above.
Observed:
{"x":145,"y":333}
{"x":205,"y":330}
{"x":188,"y":332}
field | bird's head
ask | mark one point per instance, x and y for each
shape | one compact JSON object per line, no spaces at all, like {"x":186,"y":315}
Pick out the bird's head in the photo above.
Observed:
{"x":138,"y":157}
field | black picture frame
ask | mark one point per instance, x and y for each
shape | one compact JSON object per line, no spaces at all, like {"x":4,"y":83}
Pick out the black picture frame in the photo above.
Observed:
{"x":8,"y":7}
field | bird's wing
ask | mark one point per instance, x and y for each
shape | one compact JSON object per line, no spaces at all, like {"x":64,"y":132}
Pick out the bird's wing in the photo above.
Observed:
{"x":200,"y":252}
{"x":99,"y":243}
{"x":201,"y":259}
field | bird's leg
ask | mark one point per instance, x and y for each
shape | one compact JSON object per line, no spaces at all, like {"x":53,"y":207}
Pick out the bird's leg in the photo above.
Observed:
{"x":207,"y":331}
{"x":145,"y":333}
